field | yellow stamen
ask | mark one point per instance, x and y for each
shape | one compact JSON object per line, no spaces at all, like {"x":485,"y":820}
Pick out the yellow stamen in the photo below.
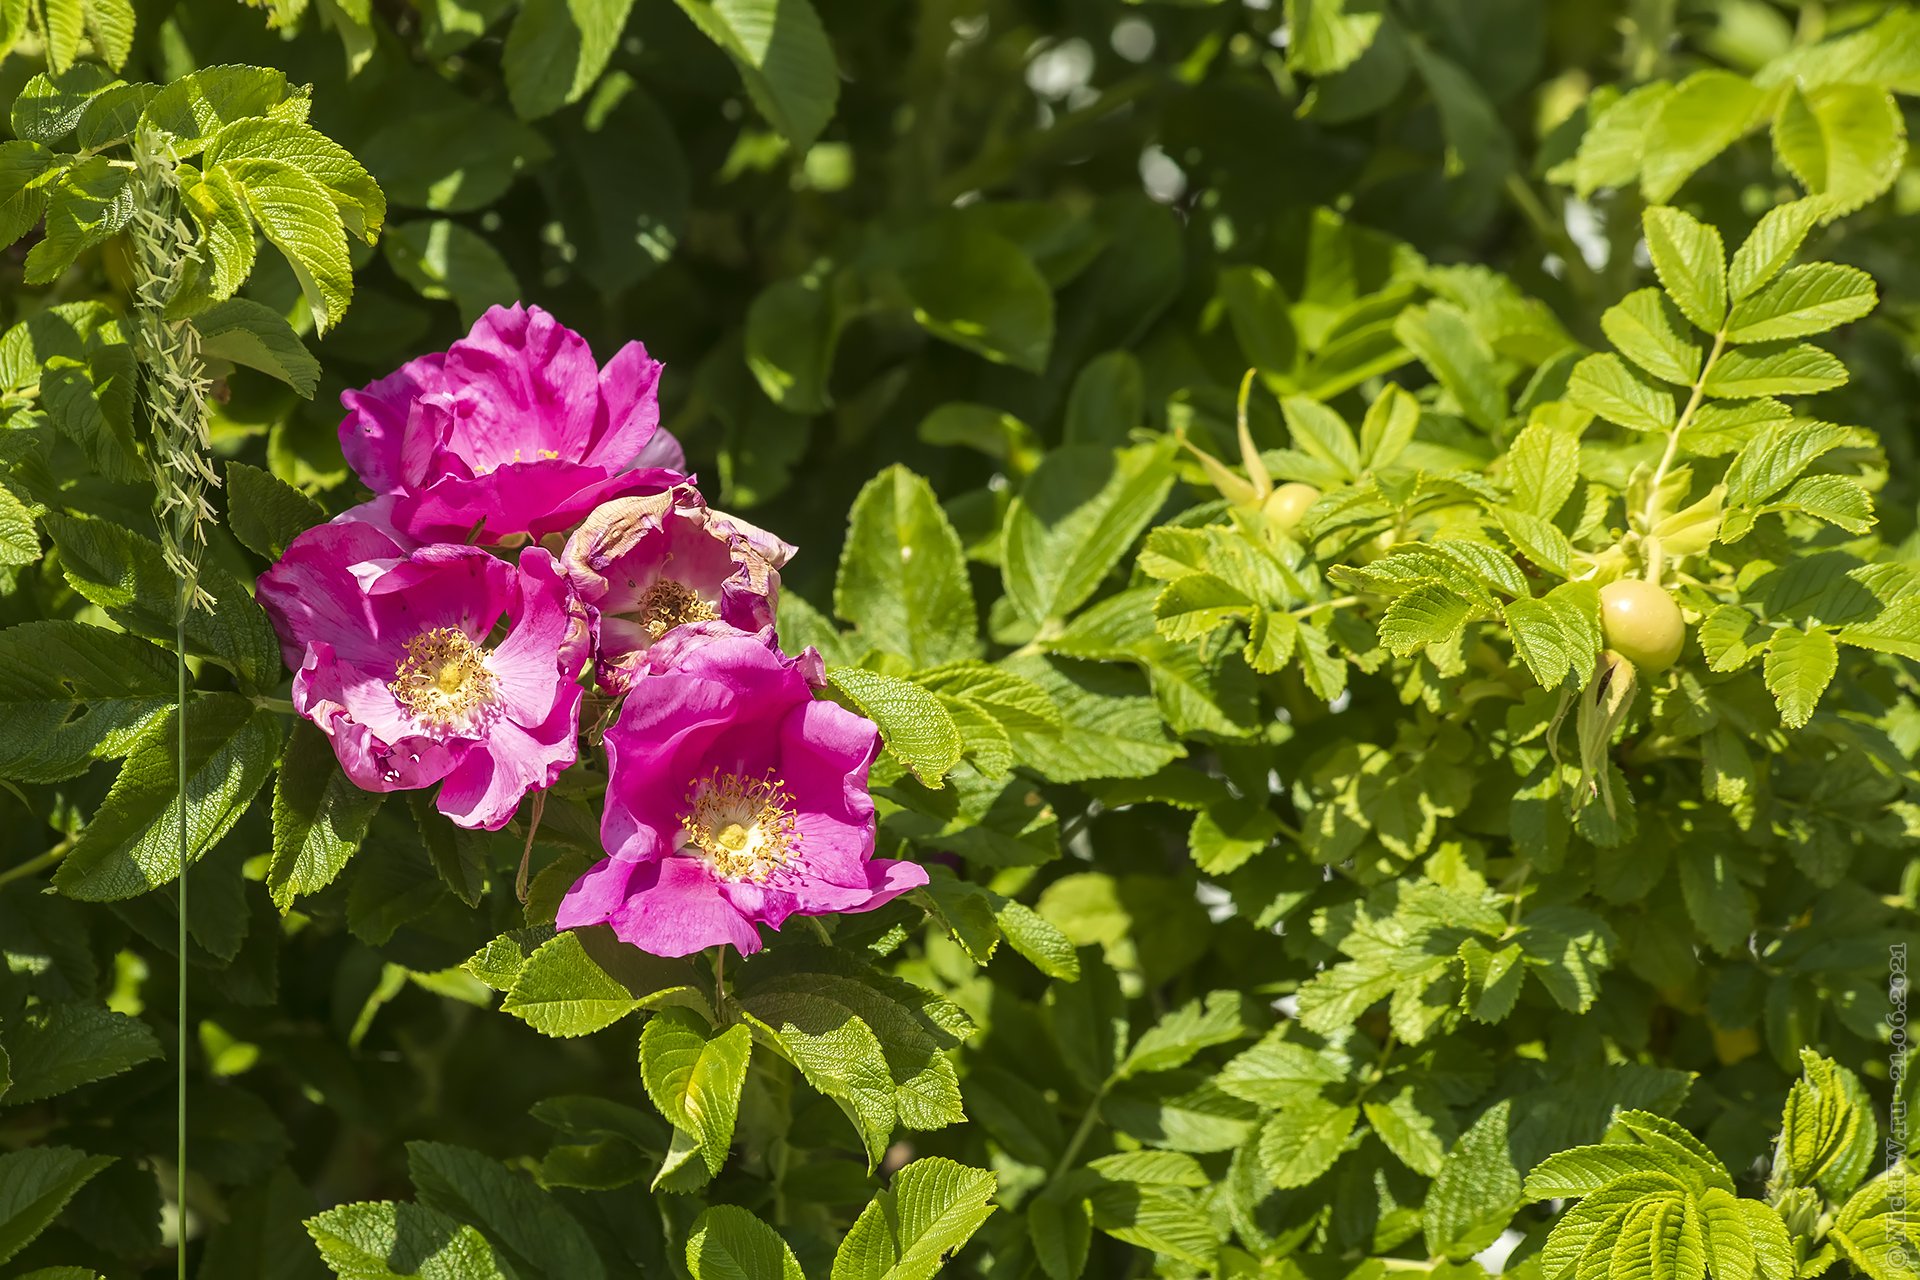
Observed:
{"x":667,"y":604}
{"x":743,"y":826}
{"x":443,"y":680}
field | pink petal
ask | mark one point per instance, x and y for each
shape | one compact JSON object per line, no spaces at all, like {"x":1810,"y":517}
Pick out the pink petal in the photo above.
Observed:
{"x":675,"y":907}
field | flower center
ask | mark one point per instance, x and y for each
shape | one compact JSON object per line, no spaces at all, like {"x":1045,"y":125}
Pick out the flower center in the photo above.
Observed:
{"x":667,"y":604}
{"x":443,"y":680}
{"x":743,"y":826}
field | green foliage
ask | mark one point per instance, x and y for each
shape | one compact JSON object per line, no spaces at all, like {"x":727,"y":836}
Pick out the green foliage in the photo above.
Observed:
{"x":1208,"y":430}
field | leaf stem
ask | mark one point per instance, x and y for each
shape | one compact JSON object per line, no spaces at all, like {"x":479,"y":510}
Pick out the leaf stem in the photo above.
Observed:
{"x":1656,"y":566}
{"x":181,"y":607}
{"x":1338,"y":602}
{"x":38,"y":863}
{"x":1080,"y":1135}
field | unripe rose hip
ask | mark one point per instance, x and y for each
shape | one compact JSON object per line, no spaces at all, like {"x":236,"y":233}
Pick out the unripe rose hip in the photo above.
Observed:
{"x":1642,"y":624}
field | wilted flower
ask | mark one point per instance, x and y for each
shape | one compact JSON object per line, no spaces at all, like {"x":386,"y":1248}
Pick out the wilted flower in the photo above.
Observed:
{"x":645,"y":565}
{"x":734,"y":799}
{"x":396,"y":659}
{"x":512,"y":430}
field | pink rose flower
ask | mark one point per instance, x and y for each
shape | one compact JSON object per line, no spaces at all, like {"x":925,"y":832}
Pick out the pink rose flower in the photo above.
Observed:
{"x":394,"y":659}
{"x":512,"y":430}
{"x":734,"y":799}
{"x":645,"y":565}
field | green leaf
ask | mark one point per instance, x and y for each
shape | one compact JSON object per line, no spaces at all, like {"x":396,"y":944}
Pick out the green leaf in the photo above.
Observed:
{"x":26,"y":168}
{"x":35,"y":1185}
{"x":1330,"y":35}
{"x":976,"y":289}
{"x":48,"y":107}
{"x":1844,"y":142}
{"x":783,"y":56}
{"x":1431,"y":613}
{"x":1648,"y":331}
{"x":71,"y":694}
{"x":1692,"y":265}
{"x":1614,"y":144}
{"x":1302,"y":1140}
{"x":319,"y":816}
{"x":296,"y":213}
{"x":1462,"y":362}
{"x":1107,"y":730}
{"x":694,"y":1074}
{"x":127,"y":576}
{"x":444,"y":260}
{"x":506,"y":1206}
{"x":110,"y":25}
{"x":267,"y":513}
{"x":1414,"y":1122}
{"x":218,"y":208}
{"x":199,"y":104}
{"x":132,"y":843}
{"x":1260,"y":313}
{"x":1185,"y":1031}
{"x":1604,"y":385}
{"x":903,"y":574}
{"x":374,"y":1241}
{"x":63,"y":23}
{"x":1805,"y":300}
{"x":19,"y":540}
{"x":1774,"y":369}
{"x":1543,"y":466}
{"x":1477,"y":1190}
{"x":1828,"y":1134}
{"x":55,"y":1048}
{"x":792,"y":329}
{"x":1703,"y":116}
{"x":557,"y":49}
{"x":908,"y":1231}
{"x":86,"y":203}
{"x":728,"y":1243}
{"x":1075,"y":518}
{"x":1770,"y":246}
{"x":916,"y":728}
{"x":352,"y":189}
{"x":244,"y":332}
{"x":873,"y":1044}
{"x":583,"y":980}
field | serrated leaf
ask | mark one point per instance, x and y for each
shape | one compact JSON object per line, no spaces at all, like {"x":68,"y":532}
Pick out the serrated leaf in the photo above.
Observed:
{"x":557,"y":49}
{"x":1804,"y":300}
{"x":132,"y":843}
{"x":693,"y":1074}
{"x":1605,"y":386}
{"x":88,"y":202}
{"x":319,"y":817}
{"x":55,"y":1048}
{"x":49,"y":106}
{"x":296,"y":213}
{"x":1844,"y":142}
{"x":195,"y":107}
{"x":1477,"y":1190}
{"x":1774,"y":369}
{"x":1799,"y":666}
{"x":1770,"y":246}
{"x":1074,"y":520}
{"x":914,"y":725}
{"x":506,"y":1206}
{"x":1644,"y":327}
{"x":35,"y":1185}
{"x":71,"y":694}
{"x":1703,"y":116}
{"x":265,"y":512}
{"x":127,"y":576}
{"x":783,"y":56}
{"x":967,"y":285}
{"x":903,"y":574}
{"x":243,"y":332}
{"x":910,"y":1230}
{"x":583,"y":980}
{"x":1692,"y":264}
{"x":1443,"y":339}
{"x":728,"y":1243}
{"x":367,"y":1241}
{"x":1430,"y":613}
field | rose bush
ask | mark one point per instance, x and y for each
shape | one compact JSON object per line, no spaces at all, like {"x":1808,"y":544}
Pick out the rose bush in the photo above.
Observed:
{"x":1183,"y":640}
